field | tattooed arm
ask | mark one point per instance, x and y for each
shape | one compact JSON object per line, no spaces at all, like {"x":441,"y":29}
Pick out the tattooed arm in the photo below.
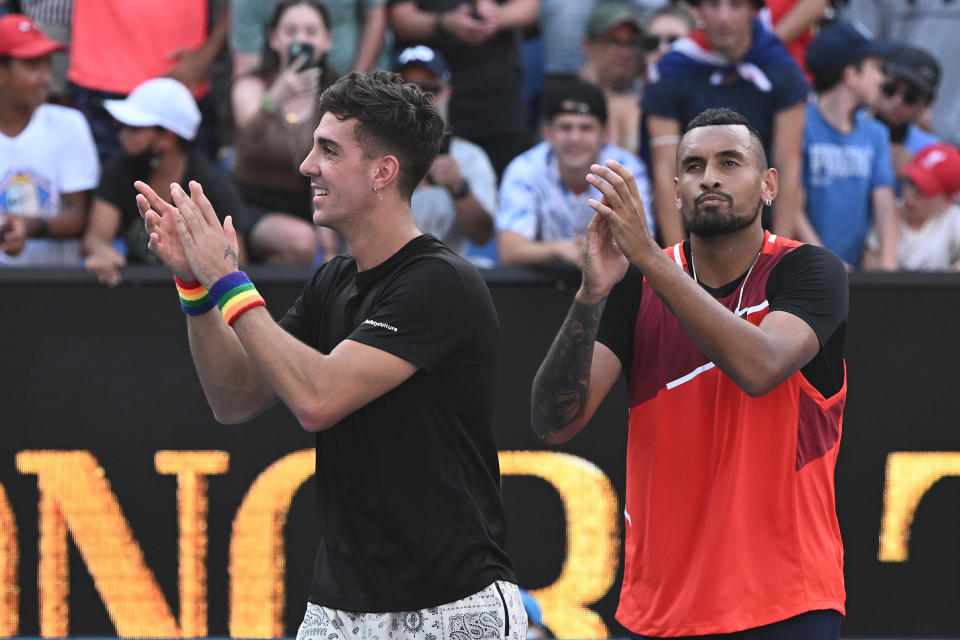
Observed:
{"x":577,"y":372}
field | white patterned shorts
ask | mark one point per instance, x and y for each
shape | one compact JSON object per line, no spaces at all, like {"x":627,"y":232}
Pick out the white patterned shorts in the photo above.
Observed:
{"x":493,"y":613}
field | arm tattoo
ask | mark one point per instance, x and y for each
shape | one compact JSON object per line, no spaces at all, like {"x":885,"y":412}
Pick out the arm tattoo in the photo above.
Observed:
{"x":560,"y":387}
{"x":229,"y":253}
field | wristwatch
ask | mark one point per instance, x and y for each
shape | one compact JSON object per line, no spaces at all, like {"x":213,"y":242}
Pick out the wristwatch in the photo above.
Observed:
{"x":462,"y":192}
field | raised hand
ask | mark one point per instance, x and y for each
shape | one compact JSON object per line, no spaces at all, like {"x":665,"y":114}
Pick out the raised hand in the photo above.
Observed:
{"x":623,"y":209}
{"x":159,"y":220}
{"x":211,"y":249}
{"x":294,"y":80}
{"x":604,"y":265}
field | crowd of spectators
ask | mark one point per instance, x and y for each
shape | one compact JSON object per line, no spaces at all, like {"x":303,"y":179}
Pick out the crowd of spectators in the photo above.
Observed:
{"x":855,"y":100}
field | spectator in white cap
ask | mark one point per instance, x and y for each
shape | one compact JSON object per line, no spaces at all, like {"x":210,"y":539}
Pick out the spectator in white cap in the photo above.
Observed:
{"x":48,"y":162}
{"x":159,"y":121}
{"x":457,"y":199}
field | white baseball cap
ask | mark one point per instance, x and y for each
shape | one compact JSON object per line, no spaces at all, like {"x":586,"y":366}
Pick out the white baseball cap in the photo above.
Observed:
{"x":160,"y":102}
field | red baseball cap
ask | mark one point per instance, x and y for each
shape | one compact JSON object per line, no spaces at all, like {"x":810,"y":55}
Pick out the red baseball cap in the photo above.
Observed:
{"x":935,"y":169}
{"x":20,"y":38}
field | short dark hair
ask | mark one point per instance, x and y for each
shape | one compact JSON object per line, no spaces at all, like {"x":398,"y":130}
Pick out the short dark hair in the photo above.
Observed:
{"x":392,"y":117}
{"x":722,"y":116}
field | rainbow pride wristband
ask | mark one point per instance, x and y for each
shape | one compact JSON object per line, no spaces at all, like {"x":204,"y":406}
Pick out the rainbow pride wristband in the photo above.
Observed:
{"x":193,"y":297}
{"x":235,"y":294}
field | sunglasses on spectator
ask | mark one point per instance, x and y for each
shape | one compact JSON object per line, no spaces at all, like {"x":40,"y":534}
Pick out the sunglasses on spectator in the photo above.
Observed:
{"x":908,"y":95}
{"x":652,"y":43}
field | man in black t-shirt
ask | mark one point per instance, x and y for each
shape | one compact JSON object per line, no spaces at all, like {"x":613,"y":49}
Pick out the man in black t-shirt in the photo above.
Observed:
{"x":389,"y":355}
{"x":159,"y":121}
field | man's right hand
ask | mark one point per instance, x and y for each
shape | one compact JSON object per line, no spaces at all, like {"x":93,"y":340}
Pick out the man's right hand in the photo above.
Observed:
{"x":604,"y":264}
{"x":159,"y":220}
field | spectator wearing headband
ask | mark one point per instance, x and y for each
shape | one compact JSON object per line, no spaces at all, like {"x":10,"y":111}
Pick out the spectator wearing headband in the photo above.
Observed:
{"x":543,"y":213}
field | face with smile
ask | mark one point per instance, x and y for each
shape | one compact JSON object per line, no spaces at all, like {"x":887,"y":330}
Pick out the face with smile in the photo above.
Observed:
{"x":341,"y":174}
{"x":721,"y":182}
{"x":576,"y":139}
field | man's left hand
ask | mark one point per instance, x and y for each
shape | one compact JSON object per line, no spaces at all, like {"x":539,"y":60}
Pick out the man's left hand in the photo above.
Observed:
{"x":211,"y":249}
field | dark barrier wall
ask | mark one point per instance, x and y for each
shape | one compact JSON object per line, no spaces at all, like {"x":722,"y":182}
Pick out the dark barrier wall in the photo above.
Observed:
{"x":125,"y":509}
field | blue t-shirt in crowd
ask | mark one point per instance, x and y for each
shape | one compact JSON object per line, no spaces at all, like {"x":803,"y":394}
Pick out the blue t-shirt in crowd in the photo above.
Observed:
{"x":840,"y":172}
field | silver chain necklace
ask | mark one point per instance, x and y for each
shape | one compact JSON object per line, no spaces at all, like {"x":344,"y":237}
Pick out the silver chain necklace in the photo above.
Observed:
{"x":743,"y":285}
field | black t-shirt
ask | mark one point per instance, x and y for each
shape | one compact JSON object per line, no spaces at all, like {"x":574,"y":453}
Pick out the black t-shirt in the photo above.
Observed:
{"x":408,"y":486}
{"x":808,"y":282}
{"x":116,"y":187}
{"x":486,"y":78}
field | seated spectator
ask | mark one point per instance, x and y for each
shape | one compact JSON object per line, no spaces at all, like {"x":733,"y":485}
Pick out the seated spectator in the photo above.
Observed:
{"x":732,"y":61}
{"x":665,"y":26}
{"x":930,"y":221}
{"x":543,"y":214}
{"x":912,"y":77}
{"x":456,"y":201}
{"x":107,"y":61}
{"x":276,"y":111}
{"x":613,"y":63}
{"x":159,"y":121}
{"x":48,"y":161}
{"x":848,"y":174}
{"x":357,"y":26}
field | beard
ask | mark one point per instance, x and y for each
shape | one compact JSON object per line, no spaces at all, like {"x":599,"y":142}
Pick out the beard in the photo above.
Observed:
{"x":712,"y":222}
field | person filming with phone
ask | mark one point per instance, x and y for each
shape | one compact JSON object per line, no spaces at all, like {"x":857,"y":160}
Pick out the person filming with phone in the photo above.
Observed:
{"x":275,"y":111}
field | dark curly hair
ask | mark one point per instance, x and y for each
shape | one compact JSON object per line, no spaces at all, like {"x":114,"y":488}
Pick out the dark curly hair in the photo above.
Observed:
{"x":393,"y":117}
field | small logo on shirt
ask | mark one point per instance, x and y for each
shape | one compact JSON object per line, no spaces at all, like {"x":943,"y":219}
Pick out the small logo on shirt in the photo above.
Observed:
{"x":383,"y":325}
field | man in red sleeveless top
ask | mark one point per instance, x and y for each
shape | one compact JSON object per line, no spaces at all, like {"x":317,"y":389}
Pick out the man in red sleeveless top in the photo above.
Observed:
{"x":732,"y":346}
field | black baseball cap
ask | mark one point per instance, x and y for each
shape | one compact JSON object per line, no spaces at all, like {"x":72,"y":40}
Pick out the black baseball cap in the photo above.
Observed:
{"x":916,"y":66}
{"x":578,"y":98}
{"x":843,"y":43}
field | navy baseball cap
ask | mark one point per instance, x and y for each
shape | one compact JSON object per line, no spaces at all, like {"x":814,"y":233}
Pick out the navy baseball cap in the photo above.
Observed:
{"x":843,"y":43}
{"x":424,"y":56}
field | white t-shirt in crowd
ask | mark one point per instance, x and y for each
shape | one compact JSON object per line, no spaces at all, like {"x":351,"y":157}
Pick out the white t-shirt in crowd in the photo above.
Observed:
{"x":54,"y":154}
